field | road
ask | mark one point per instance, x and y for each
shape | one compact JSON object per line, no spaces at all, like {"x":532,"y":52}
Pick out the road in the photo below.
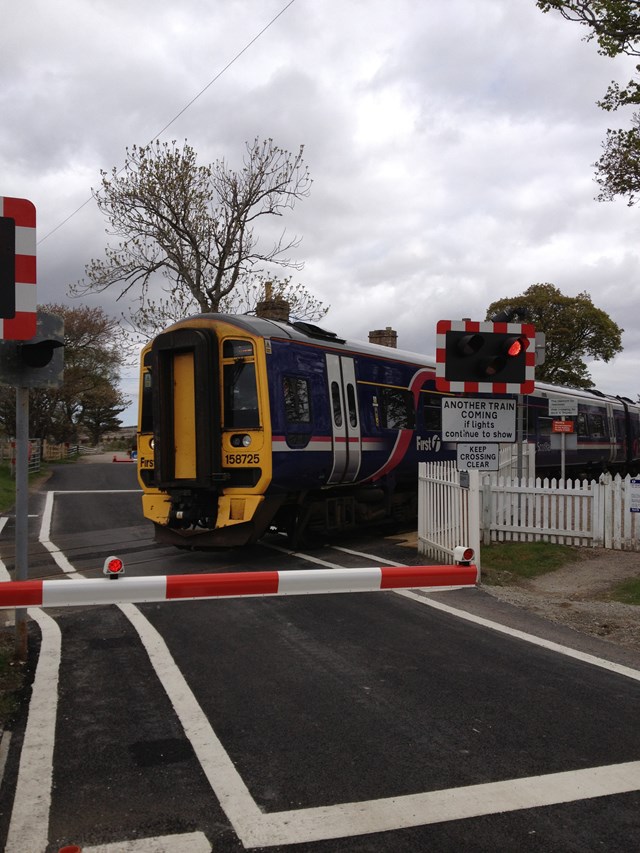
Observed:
{"x":357,"y":722}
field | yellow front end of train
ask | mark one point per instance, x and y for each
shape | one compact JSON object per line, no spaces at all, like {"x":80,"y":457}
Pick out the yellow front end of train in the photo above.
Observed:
{"x":204,"y":435}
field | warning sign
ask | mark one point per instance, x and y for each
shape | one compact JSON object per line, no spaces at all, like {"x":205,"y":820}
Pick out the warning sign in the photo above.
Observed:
{"x":478,"y":419}
{"x":634,"y":494}
{"x":561,"y":426}
{"x":486,"y":457}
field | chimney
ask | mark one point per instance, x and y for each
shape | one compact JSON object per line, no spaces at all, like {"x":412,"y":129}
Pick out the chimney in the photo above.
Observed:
{"x":384,"y":337}
{"x":272,"y":307}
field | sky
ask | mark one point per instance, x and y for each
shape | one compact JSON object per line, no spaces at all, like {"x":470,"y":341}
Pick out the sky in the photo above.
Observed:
{"x":451,"y":146}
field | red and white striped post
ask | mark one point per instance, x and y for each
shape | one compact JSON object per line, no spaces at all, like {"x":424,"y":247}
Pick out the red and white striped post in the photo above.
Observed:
{"x":22,"y":326}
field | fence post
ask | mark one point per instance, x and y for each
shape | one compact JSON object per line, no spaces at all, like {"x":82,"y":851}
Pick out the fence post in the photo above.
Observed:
{"x":486,"y":510}
{"x":473,"y":520}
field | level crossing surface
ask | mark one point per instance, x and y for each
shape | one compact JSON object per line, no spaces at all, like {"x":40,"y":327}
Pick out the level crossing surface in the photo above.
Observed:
{"x":361,"y":722}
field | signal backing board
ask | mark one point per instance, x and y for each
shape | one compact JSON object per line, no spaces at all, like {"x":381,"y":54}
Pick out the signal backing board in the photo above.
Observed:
{"x":478,"y":370}
{"x":18,"y":235}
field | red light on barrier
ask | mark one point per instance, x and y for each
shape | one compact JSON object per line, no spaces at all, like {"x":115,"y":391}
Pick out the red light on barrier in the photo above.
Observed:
{"x":463,"y":554}
{"x":113,"y":567}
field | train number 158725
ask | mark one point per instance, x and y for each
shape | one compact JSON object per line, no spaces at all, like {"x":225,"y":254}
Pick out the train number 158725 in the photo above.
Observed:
{"x":241,"y":458}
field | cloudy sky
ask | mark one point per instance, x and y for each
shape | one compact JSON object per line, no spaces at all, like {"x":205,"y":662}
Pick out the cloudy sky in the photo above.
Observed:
{"x":450,"y":142}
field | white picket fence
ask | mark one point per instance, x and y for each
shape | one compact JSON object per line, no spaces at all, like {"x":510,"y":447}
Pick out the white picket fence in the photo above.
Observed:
{"x":586,"y":513}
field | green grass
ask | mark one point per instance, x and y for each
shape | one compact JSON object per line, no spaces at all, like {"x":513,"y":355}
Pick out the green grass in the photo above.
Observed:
{"x":7,"y":488}
{"x":508,"y":562}
{"x":8,"y":484}
{"x":628,"y":592}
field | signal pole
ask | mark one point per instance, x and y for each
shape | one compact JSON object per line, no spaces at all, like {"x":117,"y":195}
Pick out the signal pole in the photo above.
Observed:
{"x":22,"y":512}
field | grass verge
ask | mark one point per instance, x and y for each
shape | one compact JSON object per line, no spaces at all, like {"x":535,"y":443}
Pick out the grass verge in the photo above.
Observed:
{"x":505,"y":563}
{"x":8,"y":484}
{"x":627,"y":592}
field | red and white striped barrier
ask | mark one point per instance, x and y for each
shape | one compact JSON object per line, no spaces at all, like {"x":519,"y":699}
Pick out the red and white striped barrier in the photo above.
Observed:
{"x":61,"y":593}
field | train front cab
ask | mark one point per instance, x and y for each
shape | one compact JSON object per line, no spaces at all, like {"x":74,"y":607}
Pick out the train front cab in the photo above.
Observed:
{"x":204,"y":446}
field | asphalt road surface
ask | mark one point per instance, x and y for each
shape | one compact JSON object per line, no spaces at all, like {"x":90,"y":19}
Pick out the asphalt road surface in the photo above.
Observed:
{"x":394,"y":721}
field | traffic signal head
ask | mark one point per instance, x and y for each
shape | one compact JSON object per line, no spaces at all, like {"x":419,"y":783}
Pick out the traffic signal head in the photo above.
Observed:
{"x":491,"y":357}
{"x":38,"y":362}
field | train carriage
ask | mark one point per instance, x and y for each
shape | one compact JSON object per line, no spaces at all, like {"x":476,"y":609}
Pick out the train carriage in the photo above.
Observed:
{"x":248,"y":424}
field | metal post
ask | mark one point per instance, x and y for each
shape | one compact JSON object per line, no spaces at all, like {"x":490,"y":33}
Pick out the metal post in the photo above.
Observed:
{"x":22,"y":512}
{"x":519,"y":437}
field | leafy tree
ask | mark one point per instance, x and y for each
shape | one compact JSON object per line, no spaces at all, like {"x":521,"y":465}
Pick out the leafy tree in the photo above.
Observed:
{"x":89,"y":397}
{"x":100,"y":409}
{"x":192,"y":227}
{"x":615,"y":24}
{"x":574,"y":329}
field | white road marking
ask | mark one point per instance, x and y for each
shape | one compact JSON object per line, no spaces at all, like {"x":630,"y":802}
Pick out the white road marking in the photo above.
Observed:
{"x":189,"y":842}
{"x":232,"y":793}
{"x":45,"y":534}
{"x":365,"y":818}
{"x":5,"y":741}
{"x":28,"y":829}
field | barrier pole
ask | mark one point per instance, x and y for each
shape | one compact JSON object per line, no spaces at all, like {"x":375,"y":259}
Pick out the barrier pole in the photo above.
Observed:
{"x":156,"y":588}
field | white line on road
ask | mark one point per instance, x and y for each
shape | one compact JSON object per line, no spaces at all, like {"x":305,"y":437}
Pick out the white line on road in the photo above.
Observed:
{"x":189,"y":842}
{"x":28,"y":829}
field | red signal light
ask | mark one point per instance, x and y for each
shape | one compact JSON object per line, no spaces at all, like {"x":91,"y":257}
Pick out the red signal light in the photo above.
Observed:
{"x":516,"y":346}
{"x":463,"y":554}
{"x":113,"y":567}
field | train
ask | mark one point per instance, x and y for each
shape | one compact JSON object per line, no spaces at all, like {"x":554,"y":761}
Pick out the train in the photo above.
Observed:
{"x":248,"y":425}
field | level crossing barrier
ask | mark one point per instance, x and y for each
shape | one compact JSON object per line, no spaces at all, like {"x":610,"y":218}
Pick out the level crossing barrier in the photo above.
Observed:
{"x":128,"y":590}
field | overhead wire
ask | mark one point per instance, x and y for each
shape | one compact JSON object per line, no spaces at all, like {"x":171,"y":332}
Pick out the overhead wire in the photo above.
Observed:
{"x":231,"y":62}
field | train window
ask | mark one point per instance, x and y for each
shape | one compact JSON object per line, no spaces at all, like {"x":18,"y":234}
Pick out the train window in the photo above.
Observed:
{"x":432,"y":412}
{"x":581,"y":424}
{"x":336,"y":403}
{"x":351,"y":404}
{"x":544,"y":426}
{"x":237,"y":349}
{"x":146,"y":411}
{"x":240,"y":392}
{"x":397,"y":409}
{"x":596,"y":426}
{"x":297,"y":400}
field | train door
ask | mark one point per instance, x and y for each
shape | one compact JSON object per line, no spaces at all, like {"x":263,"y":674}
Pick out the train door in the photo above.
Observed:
{"x":613,"y":439}
{"x":345,"y":419}
{"x":185,"y":409}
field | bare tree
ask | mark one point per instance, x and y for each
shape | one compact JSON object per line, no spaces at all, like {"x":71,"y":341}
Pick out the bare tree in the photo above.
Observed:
{"x":192,"y":226}
{"x":154,"y":316}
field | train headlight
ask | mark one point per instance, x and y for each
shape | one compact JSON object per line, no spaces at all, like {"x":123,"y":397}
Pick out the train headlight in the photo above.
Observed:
{"x":240,"y":440}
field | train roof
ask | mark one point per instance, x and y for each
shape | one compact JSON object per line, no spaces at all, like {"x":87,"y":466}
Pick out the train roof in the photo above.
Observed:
{"x":310,"y":333}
